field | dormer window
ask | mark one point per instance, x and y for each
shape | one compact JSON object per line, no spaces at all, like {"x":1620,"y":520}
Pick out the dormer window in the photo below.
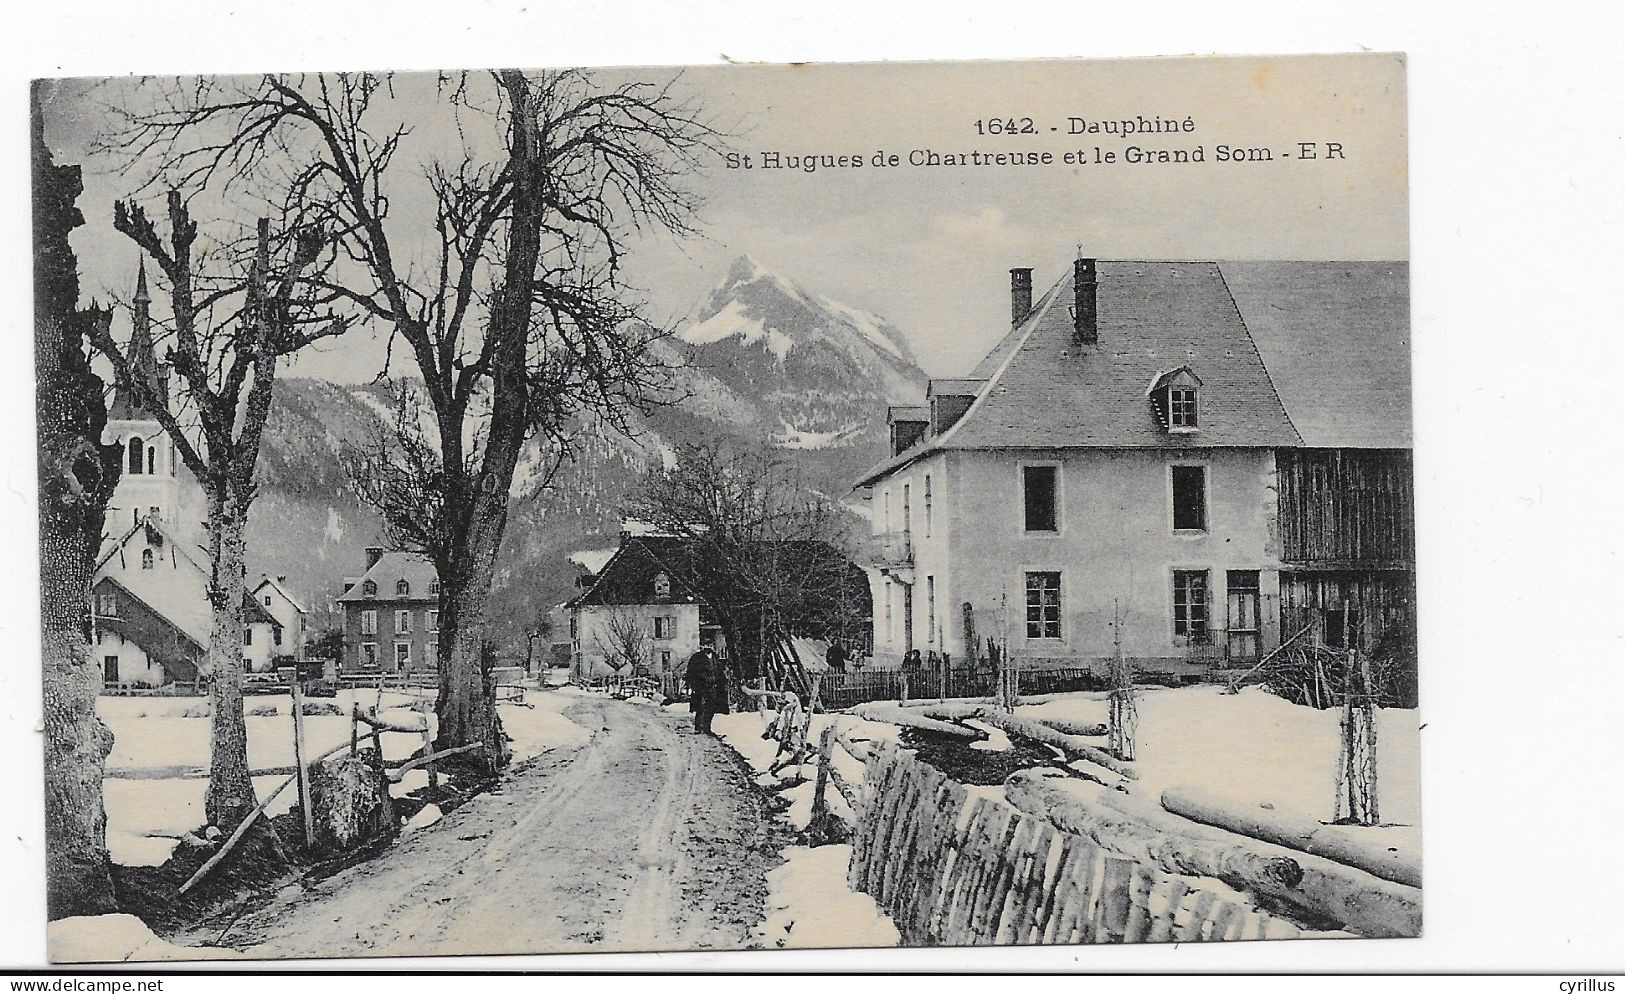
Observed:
{"x":434,"y":588}
{"x":402,"y":588}
{"x":1175,"y":400}
{"x":1182,"y":409}
{"x":369,"y":589}
{"x":662,"y":586}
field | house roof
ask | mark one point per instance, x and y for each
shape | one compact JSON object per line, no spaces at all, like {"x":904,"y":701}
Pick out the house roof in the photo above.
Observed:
{"x":279,"y":588}
{"x":1336,"y":339}
{"x":177,"y":588}
{"x":1332,"y":350}
{"x":415,"y":568}
{"x":629,"y":576}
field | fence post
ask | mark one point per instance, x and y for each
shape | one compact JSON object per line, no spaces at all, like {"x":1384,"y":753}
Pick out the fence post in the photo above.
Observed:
{"x":428,"y":750}
{"x":826,"y":749}
{"x":299,"y":757}
{"x":902,"y":687}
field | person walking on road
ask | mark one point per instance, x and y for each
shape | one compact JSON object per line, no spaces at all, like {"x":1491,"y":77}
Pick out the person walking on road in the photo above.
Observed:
{"x":707,"y":689}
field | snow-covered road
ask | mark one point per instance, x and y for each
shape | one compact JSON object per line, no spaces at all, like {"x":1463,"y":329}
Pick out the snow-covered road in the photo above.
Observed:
{"x":648,"y":837}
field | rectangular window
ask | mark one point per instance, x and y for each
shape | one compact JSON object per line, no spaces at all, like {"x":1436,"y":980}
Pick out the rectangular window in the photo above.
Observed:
{"x":248,"y":636}
{"x":930,"y":609}
{"x":1038,"y":496}
{"x":665,"y":661}
{"x":369,"y":622}
{"x":928,"y":505}
{"x":403,"y":655}
{"x":403,"y":622}
{"x":665,"y":627}
{"x":267,"y":600}
{"x":276,"y":635}
{"x":107,"y":605}
{"x":431,"y":620}
{"x":1190,"y":605}
{"x":1043,"y":605}
{"x":1190,"y":498}
{"x":1182,"y":408}
{"x":369,"y":655}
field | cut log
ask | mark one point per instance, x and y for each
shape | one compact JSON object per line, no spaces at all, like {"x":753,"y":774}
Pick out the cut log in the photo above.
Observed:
{"x":911,"y":718}
{"x":1302,"y":834}
{"x":1040,"y":793}
{"x":350,"y":801}
{"x":1067,"y":727}
{"x":1072,"y":745}
{"x":378,"y":724}
{"x":1317,"y":888}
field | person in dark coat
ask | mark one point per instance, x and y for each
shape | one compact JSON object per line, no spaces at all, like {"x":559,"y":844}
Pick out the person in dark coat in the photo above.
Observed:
{"x":707,"y":688}
{"x":835,"y":657}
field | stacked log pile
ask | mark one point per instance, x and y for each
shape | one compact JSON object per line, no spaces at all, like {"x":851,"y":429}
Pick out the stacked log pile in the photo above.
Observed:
{"x":955,"y":869}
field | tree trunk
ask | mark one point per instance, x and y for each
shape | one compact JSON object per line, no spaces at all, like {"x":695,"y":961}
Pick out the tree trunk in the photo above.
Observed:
{"x":76,"y":477}
{"x":230,"y":797}
{"x":465,"y":708}
{"x":76,"y":741}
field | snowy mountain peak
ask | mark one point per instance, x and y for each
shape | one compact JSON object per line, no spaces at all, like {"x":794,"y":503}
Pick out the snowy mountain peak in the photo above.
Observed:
{"x":764,"y":309}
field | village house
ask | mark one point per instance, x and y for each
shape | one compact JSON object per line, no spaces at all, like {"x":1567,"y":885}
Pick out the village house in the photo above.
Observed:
{"x":150,"y":612}
{"x":1190,"y":459}
{"x":392,"y":615}
{"x":273,"y":596}
{"x":647,"y":597}
{"x":638,"y":602}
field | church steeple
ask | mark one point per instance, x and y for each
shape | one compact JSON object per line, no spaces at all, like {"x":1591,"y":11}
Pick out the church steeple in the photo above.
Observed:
{"x":144,"y":366}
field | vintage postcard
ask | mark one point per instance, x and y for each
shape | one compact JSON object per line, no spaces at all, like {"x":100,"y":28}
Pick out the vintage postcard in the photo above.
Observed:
{"x":741,"y":507}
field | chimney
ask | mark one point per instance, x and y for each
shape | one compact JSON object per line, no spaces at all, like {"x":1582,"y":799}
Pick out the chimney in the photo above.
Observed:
{"x":1084,"y":325}
{"x":1021,"y":295}
{"x":374,"y":553}
{"x":282,"y":578}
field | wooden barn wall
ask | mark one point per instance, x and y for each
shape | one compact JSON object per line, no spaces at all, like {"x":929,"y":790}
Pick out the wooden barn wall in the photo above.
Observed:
{"x":1382,"y":602}
{"x":1346,"y":506}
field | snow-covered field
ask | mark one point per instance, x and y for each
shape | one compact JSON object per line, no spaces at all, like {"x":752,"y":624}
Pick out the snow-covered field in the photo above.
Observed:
{"x":146,"y":817}
{"x":1256,"y":749}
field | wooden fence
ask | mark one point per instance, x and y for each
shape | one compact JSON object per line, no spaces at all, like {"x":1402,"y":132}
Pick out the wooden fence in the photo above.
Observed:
{"x":952,"y":869}
{"x":839,"y":690}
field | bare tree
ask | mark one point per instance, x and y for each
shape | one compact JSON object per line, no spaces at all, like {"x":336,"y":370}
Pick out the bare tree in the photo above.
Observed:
{"x":624,"y":643}
{"x":518,"y":320}
{"x":767,"y":551}
{"x":77,"y":475}
{"x":227,"y":328}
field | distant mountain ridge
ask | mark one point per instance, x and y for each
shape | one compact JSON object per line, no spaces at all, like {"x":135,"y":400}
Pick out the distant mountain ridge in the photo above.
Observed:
{"x":763,"y":360}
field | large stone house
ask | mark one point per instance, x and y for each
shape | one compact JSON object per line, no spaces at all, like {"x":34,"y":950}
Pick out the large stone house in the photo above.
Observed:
{"x":1188,"y":457}
{"x":392,"y":615}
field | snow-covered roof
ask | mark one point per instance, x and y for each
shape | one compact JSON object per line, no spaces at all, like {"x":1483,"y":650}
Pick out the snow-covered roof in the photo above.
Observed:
{"x":279,"y":588}
{"x":391,"y":568}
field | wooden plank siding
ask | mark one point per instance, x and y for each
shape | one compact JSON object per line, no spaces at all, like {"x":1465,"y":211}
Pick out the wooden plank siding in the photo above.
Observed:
{"x":1346,"y":507}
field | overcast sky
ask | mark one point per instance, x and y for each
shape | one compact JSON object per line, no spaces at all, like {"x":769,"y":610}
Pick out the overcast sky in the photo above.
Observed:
{"x":930,"y":248}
